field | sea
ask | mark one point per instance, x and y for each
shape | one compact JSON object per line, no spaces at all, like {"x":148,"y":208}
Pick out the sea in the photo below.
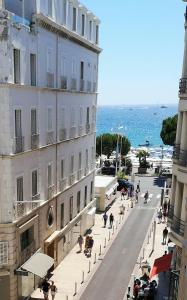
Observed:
{"x":138,"y":123}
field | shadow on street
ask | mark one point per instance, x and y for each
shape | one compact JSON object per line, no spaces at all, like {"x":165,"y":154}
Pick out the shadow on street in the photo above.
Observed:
{"x":159,"y":181}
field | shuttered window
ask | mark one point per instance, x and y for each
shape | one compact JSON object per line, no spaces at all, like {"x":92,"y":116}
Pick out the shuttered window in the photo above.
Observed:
{"x":20,"y":189}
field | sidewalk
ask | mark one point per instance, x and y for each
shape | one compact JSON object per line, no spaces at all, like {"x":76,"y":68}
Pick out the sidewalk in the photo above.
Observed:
{"x":68,"y":276}
{"x":147,"y":255}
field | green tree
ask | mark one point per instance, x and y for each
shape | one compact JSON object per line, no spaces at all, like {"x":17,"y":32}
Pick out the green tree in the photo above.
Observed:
{"x":142,"y":156}
{"x":109,"y":143}
{"x":168,"y":132}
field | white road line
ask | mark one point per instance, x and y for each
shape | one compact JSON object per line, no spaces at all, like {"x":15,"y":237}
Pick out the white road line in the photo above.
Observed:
{"x":142,"y":195}
{"x":150,"y":196}
{"x":158,"y":196}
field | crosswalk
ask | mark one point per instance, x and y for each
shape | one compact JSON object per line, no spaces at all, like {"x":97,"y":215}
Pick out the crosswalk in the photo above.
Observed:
{"x":151,"y":196}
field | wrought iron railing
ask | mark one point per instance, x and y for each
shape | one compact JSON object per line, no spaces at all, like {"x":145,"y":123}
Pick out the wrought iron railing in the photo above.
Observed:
{"x":71,"y":179}
{"x":73,"y":84}
{"x":88,"y":127}
{"x":62,"y":134}
{"x":22,"y":208}
{"x":171,"y":212}
{"x":27,"y":252}
{"x":79,"y":174}
{"x":176,"y":224}
{"x":63,"y":184}
{"x":176,"y":151}
{"x":50,"y":191}
{"x":18,"y":144}
{"x":182,"y":158}
{"x":72,"y":132}
{"x":182,"y":85}
{"x":34,"y":141}
{"x":81,"y":85}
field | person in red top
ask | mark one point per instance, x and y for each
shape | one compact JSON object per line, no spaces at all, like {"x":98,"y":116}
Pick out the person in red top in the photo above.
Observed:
{"x":136,"y":290}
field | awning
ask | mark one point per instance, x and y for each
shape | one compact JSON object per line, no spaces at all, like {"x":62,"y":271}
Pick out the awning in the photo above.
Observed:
{"x":109,"y":192}
{"x":115,"y":186}
{"x":38,"y":264}
{"x":91,"y":211}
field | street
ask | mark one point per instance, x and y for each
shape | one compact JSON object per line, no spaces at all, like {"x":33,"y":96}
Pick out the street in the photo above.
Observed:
{"x":111,"y":279}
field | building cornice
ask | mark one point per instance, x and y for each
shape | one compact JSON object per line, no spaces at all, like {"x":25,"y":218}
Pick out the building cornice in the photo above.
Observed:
{"x":63,"y":31}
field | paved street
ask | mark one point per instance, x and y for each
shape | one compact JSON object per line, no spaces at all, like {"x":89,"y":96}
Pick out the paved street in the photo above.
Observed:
{"x":111,"y":280}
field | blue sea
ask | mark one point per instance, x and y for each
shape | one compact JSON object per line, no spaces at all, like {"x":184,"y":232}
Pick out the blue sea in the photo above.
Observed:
{"x":138,"y":123}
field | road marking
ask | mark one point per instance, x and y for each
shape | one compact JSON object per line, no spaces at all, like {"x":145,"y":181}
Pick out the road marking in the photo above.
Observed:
{"x":150,"y":196}
{"x":158,"y":196}
{"x":142,"y":195}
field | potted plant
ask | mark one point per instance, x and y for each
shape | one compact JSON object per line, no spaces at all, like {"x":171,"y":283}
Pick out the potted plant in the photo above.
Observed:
{"x":143,"y":164}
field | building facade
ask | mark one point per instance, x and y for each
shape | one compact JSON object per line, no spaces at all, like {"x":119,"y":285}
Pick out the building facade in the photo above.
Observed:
{"x":48,"y":94}
{"x":178,"y":207}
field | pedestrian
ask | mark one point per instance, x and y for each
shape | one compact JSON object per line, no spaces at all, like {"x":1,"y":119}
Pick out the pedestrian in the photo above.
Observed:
{"x":53,"y":290}
{"x":111,"y":218}
{"x":136,"y":195}
{"x":165,"y":205}
{"x":80,"y":241}
{"x":45,"y":288}
{"x":138,"y":186}
{"x":90,"y":245}
{"x":165,"y":235}
{"x":136,"y":290}
{"x":105,"y":218}
{"x":164,"y":216}
{"x":146,"y":196}
{"x":86,"y":243}
{"x":159,"y":216}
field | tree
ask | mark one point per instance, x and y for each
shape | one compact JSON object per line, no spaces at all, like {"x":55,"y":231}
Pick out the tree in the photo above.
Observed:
{"x":168,"y":132}
{"x":109,"y":144}
{"x":142,"y":155}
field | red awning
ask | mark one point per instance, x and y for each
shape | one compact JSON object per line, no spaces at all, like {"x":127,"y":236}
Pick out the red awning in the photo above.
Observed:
{"x":161,"y":264}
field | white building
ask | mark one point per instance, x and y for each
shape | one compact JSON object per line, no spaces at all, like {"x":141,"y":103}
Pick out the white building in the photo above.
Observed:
{"x":48,"y":99}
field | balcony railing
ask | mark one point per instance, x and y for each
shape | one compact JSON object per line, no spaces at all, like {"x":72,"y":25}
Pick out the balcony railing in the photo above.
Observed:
{"x":71,"y":179}
{"x":36,"y":197}
{"x":87,"y":128}
{"x":182,"y":160}
{"x":171,"y":212}
{"x":50,"y":137}
{"x":27,"y":252}
{"x":34,"y":141}
{"x":50,"y":80}
{"x":176,"y":151}
{"x":63,"y":184}
{"x":50,"y":191}
{"x":73,"y":84}
{"x":82,"y":85}
{"x":89,"y":86}
{"x":63,"y":134}
{"x":80,"y":130}
{"x":22,"y":208}
{"x":72,"y":133}
{"x":94,"y":87}
{"x":183,"y":86}
{"x":63,"y":82}
{"x":86,"y":171}
{"x":93,"y":127}
{"x":176,"y":224}
{"x":18,"y":144}
{"x":79,"y":174}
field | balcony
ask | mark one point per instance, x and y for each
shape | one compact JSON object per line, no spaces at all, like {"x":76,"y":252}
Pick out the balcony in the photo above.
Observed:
{"x":171,"y":212}
{"x":36,"y":197}
{"x":79,"y":174}
{"x":71,"y":179}
{"x":92,"y":166}
{"x":62,"y":184}
{"x":27,"y":252}
{"x":50,"y":137}
{"x":72,"y":133}
{"x":63,"y":82}
{"x":80,"y":130}
{"x":50,"y":191}
{"x":182,"y":160}
{"x":82,"y":85}
{"x":176,"y":224}
{"x":86,"y":171}
{"x":87,"y":128}
{"x":89,"y":86}
{"x":62,"y":134}
{"x":34,"y":141}
{"x":50,"y":80}
{"x":176,"y":151}
{"x":23,"y":208}
{"x":94,"y":87}
{"x":73,"y":84}
{"x":18,"y":144}
{"x":183,"y":86}
{"x":93,"y":127}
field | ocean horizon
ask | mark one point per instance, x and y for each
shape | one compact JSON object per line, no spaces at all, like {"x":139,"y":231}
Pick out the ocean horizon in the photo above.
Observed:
{"x":139,"y":123}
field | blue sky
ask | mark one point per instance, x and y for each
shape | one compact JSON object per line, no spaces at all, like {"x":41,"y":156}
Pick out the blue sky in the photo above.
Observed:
{"x":142,"y":43}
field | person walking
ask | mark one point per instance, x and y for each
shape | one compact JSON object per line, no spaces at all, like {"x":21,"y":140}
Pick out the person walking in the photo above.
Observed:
{"x":136,"y":195}
{"x":80,"y":241}
{"x":53,"y":289}
{"x":111,"y":219}
{"x":165,"y":235}
{"x":86,"y":243}
{"x":105,"y":218}
{"x":159,"y":216}
{"x":90,"y":245}
{"x":138,"y":186}
{"x":146,"y":196}
{"x":45,"y":288}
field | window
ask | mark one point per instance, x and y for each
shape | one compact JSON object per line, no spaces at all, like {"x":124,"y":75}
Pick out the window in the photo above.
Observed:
{"x":91,"y":190}
{"x":27,"y":237}
{"x":34,"y":183}
{"x":82,"y":70}
{"x":64,"y":11}
{"x":83,"y":25}
{"x":74,"y":26}
{"x":20,"y":189}
{"x":33,"y":122}
{"x":16,"y":66}
{"x":62,"y":169}
{"x":78,"y":201}
{"x":3,"y":253}
{"x":86,"y":158}
{"x":72,"y":164}
{"x":33,"y":69}
{"x":81,"y":116}
{"x":73,"y":117}
{"x":49,"y":175}
{"x":88,"y":115}
{"x":50,"y":8}
{"x":97,"y":34}
{"x":80,"y":160}
{"x":71,"y":208}
{"x":62,"y":216}
{"x":85,"y":196}
{"x":49,"y":119}
{"x":90,"y":30}
{"x":18,"y":129}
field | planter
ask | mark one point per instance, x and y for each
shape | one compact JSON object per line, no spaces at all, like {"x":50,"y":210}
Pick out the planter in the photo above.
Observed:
{"x":142,"y":170}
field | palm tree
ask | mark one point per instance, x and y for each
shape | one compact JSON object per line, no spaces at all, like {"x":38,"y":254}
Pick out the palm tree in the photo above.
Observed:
{"x":142,"y":155}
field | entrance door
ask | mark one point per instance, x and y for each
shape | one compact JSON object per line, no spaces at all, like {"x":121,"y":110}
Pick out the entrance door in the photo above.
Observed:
{"x":5,"y":287}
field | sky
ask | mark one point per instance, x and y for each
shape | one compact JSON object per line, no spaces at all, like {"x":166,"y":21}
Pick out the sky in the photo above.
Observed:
{"x":142,"y":42}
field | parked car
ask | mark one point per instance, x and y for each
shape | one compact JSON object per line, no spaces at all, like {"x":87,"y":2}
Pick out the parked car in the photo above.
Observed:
{"x":166,"y":172}
{"x":123,"y":183}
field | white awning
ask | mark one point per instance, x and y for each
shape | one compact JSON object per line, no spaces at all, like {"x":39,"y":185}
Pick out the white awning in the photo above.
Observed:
{"x":91,"y":211}
{"x":109,"y":192}
{"x":38,"y":264}
{"x":115,"y":186}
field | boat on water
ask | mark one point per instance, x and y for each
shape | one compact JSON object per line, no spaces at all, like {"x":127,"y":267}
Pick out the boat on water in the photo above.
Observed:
{"x":147,"y":144}
{"x":163,"y":106}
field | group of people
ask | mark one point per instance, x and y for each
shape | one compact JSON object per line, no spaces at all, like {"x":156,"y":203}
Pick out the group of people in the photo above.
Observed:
{"x":46,"y":287}
{"x":111,"y":219}
{"x":143,"y":289}
{"x":89,"y":242}
{"x":162,"y":213}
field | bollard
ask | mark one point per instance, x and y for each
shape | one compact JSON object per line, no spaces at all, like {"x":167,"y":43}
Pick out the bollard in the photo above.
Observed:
{"x":75,"y":288}
{"x":105,"y":243}
{"x":129,"y":289}
{"x":82,"y":277}
{"x":100,"y":250}
{"x":66,"y":297}
{"x":109,"y":236}
{"x":95,"y":258}
{"x":113,"y":230}
{"x":89,"y":266}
